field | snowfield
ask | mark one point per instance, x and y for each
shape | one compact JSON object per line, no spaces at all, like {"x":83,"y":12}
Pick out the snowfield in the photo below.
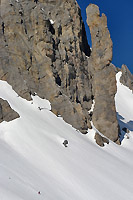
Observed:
{"x":35,"y":165}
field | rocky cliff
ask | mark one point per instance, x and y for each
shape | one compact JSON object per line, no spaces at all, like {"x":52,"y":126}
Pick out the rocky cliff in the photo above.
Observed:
{"x":44,"y":50}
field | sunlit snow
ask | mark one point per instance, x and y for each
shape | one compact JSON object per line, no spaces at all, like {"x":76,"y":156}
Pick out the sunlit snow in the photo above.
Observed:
{"x":34,"y":164}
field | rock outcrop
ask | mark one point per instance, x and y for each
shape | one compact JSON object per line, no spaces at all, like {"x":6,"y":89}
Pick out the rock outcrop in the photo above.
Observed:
{"x":126,"y":78}
{"x":44,"y":50}
{"x":104,"y":81}
{"x":100,"y":140}
{"x":6,"y":112}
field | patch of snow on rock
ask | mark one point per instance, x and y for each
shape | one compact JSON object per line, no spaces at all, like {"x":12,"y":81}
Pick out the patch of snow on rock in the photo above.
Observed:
{"x":51,"y":21}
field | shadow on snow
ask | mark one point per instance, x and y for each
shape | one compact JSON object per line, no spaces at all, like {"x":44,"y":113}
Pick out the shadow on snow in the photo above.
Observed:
{"x":122,"y":124}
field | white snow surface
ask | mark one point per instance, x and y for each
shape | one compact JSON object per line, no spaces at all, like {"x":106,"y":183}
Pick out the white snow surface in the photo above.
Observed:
{"x":124,"y":107}
{"x":33,"y":158}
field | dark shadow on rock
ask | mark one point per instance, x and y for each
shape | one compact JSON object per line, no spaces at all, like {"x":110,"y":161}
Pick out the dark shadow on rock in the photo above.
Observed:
{"x":128,"y":126}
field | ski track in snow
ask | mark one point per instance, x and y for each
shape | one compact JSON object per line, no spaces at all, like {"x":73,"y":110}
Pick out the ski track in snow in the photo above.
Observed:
{"x":33,"y":158}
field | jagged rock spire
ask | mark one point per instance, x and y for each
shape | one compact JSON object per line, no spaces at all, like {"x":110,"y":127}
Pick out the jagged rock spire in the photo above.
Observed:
{"x":100,"y":36}
{"x":104,"y":81}
{"x":127,"y":77}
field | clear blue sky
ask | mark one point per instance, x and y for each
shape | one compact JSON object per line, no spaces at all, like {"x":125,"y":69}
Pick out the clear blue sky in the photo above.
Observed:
{"x":120,"y":23}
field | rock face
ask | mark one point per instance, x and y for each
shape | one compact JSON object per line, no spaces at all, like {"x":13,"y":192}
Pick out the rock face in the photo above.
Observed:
{"x":126,"y":78}
{"x":104,"y":82}
{"x":44,"y":50}
{"x":6,"y":112}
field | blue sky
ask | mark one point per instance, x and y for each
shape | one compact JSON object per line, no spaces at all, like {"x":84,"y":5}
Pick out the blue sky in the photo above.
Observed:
{"x":120,"y":23}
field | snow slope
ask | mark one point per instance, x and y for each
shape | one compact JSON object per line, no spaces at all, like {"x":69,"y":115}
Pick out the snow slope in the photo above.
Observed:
{"x":33,"y":158}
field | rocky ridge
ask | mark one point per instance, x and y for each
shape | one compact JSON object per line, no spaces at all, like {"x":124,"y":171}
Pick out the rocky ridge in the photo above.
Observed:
{"x":44,"y":50}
